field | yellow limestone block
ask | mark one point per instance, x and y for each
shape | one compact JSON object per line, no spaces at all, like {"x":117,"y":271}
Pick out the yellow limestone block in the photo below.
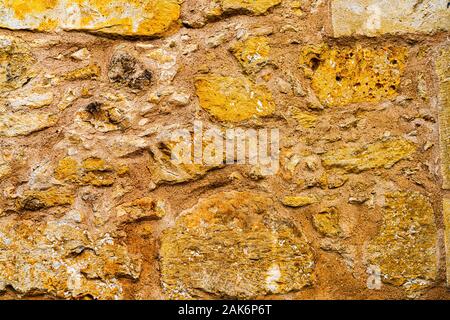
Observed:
{"x":36,"y":200}
{"x":233,"y":99}
{"x":446,"y":207}
{"x":127,"y":18}
{"x":253,"y":6}
{"x":234,"y":245}
{"x":345,"y":75}
{"x":62,"y":259}
{"x":443,"y":71}
{"x":405,"y":247}
{"x":381,"y":154}
{"x":298,"y":201}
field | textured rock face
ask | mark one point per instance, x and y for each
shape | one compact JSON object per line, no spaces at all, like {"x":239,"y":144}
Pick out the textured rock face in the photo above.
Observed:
{"x":443,"y":71}
{"x":135,"y":18}
{"x":255,"y":7}
{"x":233,"y":245}
{"x":405,"y":248}
{"x":60,"y":258}
{"x":233,"y":99}
{"x":374,"y":17}
{"x":16,"y":62}
{"x":446,"y":211}
{"x":376,"y":155}
{"x":252,"y":54}
{"x":341,"y":76}
{"x":114,"y":185}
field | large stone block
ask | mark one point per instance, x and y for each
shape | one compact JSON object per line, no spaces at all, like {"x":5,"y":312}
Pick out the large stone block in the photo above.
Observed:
{"x":446,"y":212}
{"x":380,"y":154}
{"x":233,"y":99}
{"x":130,"y":18}
{"x":443,"y":71}
{"x":405,"y":247}
{"x":59,"y":258}
{"x":233,"y":245}
{"x":345,"y":75}
{"x":376,"y":17}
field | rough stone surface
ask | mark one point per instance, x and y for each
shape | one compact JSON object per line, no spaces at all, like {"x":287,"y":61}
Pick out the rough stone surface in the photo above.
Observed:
{"x":446,"y":211}
{"x":376,"y":155}
{"x":100,"y":100}
{"x":233,"y":245}
{"x":233,"y":99}
{"x":405,"y":248}
{"x":256,"y":7}
{"x":443,"y":71}
{"x":341,"y":76}
{"x":252,"y":54}
{"x":136,"y":18}
{"x":16,"y":61}
{"x":60,"y":258}
{"x":375,"y":17}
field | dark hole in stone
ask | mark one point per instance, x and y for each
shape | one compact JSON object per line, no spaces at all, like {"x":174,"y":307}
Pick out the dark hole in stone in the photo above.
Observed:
{"x":93,"y":107}
{"x":315,"y":63}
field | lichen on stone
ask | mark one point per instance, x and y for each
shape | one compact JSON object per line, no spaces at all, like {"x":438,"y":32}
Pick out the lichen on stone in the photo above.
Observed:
{"x":233,"y":245}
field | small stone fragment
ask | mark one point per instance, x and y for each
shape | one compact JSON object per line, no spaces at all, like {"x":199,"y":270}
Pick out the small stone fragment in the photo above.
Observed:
{"x":89,"y":72}
{"x":327,"y":222}
{"x":298,"y":201}
{"x":248,"y":6}
{"x":306,"y":120}
{"x":81,"y":55}
{"x":252,"y":54}
{"x":126,"y":69}
{"x":141,"y":209}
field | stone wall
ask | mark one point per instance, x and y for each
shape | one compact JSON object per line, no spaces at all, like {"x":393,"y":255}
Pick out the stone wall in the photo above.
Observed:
{"x":93,"y":206}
